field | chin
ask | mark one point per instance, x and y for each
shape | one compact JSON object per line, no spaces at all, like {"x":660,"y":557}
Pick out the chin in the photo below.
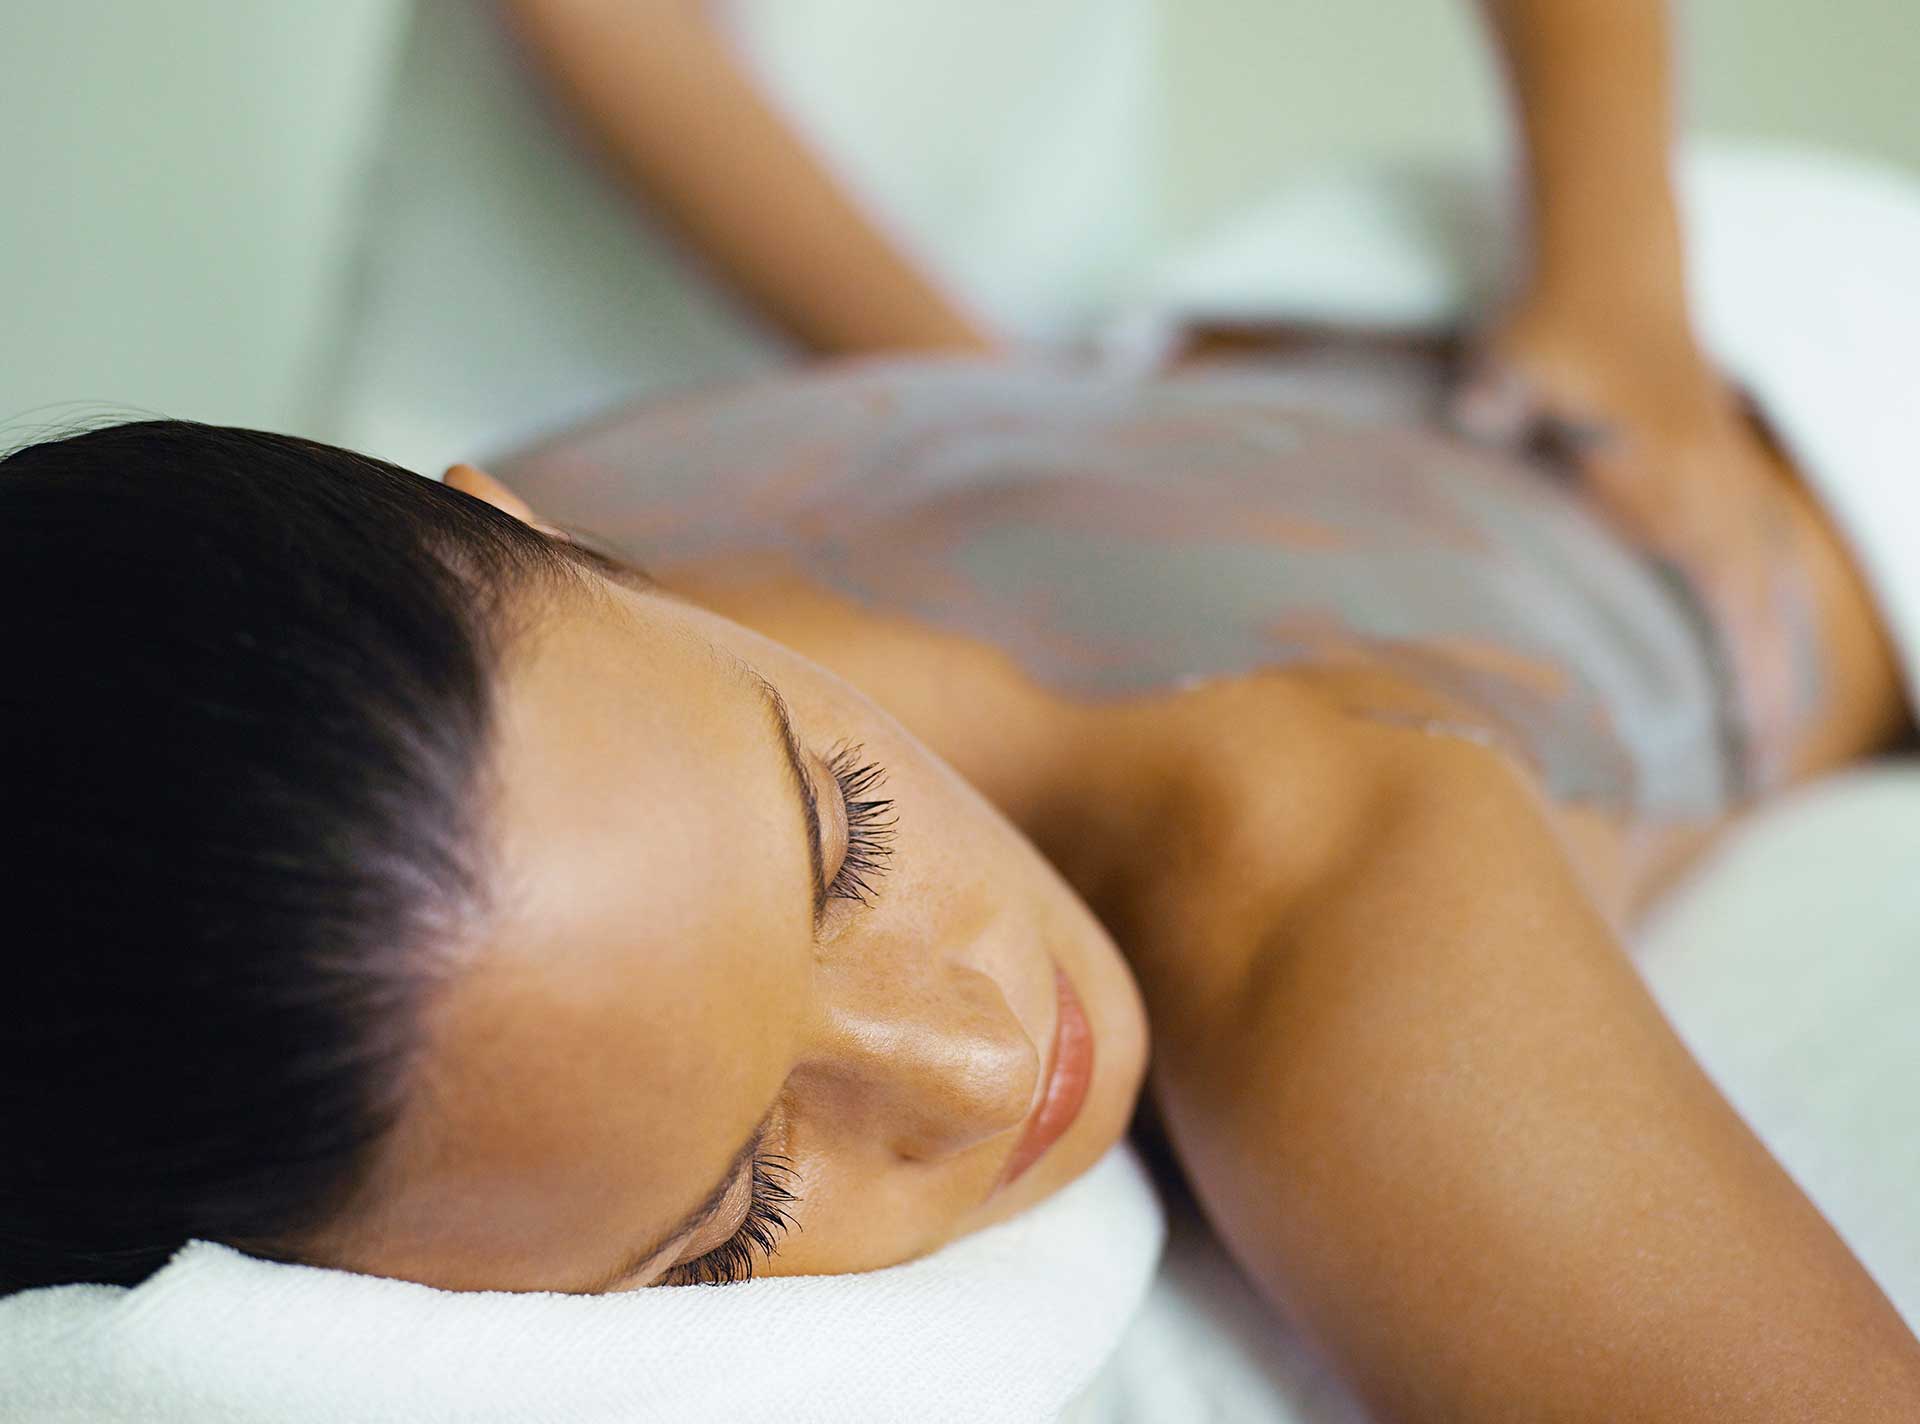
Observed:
{"x":1121,"y":1043}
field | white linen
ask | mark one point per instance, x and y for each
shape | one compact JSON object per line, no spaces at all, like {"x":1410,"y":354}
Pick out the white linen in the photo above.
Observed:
{"x":1003,"y":1325}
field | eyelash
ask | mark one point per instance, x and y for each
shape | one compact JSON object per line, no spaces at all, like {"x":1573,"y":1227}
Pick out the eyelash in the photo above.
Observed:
{"x":759,"y":1234}
{"x":870,"y":825}
{"x":870,"y":828}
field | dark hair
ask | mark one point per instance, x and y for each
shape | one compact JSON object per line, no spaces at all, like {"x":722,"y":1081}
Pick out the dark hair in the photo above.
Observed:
{"x":243,"y":721}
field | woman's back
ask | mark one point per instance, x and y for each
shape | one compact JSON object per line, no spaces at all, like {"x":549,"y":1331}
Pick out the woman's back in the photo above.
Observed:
{"x":1118,"y":536}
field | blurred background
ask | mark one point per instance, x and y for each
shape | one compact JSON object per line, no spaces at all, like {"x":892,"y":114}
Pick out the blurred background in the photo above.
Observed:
{"x":362,"y":219}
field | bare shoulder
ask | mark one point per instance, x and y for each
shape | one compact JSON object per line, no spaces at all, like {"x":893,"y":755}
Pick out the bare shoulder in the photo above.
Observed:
{"x":1422,"y":1096}
{"x":1228,"y":812}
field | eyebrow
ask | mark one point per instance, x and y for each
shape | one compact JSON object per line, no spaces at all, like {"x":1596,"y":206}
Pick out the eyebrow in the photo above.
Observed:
{"x":636,"y":1261}
{"x":802,"y":783}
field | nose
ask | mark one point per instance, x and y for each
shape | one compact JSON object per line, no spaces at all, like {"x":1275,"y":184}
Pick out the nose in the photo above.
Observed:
{"x":930,"y":1066}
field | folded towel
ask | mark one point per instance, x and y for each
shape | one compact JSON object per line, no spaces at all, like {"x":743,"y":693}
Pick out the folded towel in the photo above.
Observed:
{"x":1004,"y":1325}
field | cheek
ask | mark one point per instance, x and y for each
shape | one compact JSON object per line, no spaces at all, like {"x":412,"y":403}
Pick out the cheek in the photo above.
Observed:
{"x":995,"y":906}
{"x":863,"y":1209}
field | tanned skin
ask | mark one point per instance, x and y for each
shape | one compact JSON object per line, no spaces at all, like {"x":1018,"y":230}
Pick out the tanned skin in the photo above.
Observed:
{"x":1417,"y":1086}
{"x":1398,"y":1047}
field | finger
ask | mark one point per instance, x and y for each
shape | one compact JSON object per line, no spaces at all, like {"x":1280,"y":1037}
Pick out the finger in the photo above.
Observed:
{"x":470,"y":479}
{"x":1493,"y":404}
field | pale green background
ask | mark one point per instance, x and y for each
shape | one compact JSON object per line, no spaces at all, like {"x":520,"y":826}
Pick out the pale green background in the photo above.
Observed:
{"x":180,"y":174}
{"x":172,"y":216}
{"x":1264,"y":84}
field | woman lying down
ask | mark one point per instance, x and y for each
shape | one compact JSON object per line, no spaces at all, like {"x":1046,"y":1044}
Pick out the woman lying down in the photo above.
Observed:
{"x":410,"y":887}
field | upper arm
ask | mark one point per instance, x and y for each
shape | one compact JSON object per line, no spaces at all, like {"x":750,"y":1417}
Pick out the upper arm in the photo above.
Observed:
{"x":1446,"y":1128}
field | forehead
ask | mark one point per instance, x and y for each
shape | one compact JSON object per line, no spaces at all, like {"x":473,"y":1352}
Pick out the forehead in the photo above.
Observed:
{"x":635,"y":1001}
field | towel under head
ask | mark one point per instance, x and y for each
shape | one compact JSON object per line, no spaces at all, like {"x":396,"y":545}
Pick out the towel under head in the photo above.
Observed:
{"x":1004,"y":1325}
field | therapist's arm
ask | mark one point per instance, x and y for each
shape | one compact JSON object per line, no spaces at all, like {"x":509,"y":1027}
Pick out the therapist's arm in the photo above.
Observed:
{"x":1597,"y":358}
{"x":657,"y":83}
{"x":1598,"y":322}
{"x":1592,"y":87}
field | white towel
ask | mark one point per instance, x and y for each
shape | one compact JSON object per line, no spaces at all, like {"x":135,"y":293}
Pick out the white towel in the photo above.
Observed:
{"x":1808,"y":291}
{"x":1004,"y":1325}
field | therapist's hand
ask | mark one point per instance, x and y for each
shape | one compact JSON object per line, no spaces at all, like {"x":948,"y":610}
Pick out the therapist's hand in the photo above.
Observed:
{"x":1597,"y":362}
{"x":1616,"y":392}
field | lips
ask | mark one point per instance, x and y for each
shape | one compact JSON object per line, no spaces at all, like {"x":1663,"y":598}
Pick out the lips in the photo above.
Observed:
{"x":1069,"y":1075}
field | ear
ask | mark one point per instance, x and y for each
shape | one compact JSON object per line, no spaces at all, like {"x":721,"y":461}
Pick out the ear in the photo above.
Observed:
{"x":477,"y":482}
{"x":470,"y":479}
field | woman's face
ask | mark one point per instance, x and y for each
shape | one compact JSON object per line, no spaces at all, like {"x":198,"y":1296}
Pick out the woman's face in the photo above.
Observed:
{"x":698,"y":955}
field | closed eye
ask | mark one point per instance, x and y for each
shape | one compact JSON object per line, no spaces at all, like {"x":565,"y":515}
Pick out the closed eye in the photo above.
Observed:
{"x":757,"y":1236}
{"x":870,"y":818}
{"x":870,"y":825}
